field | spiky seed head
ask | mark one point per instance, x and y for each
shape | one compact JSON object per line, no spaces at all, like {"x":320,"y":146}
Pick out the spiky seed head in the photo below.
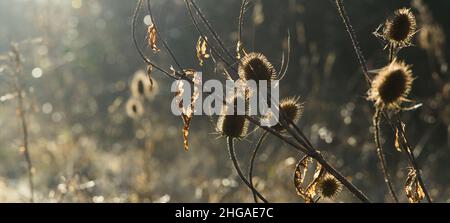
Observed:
{"x":400,"y":28}
{"x":329,"y":186}
{"x":391,"y":86}
{"x":292,"y":108}
{"x":232,"y":125}
{"x":134,"y":108}
{"x":256,"y":66}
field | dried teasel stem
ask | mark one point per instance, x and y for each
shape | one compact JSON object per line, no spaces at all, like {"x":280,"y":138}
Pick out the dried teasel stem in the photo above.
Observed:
{"x":411,"y":157}
{"x":351,"y":32}
{"x":252,"y":162}
{"x":21,"y":108}
{"x":230,"y":142}
{"x":381,"y":155}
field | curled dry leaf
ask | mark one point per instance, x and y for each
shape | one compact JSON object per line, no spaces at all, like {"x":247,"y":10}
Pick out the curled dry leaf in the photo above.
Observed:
{"x":188,"y":111}
{"x":414,"y":191}
{"x":202,"y":49}
{"x":152,"y":37}
{"x":301,"y":169}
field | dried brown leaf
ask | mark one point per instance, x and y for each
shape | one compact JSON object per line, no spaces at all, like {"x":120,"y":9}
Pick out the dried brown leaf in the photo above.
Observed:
{"x":202,"y":49}
{"x":152,"y":37}
{"x":311,"y":189}
{"x":414,"y":191}
{"x":188,"y":112}
{"x":301,"y":169}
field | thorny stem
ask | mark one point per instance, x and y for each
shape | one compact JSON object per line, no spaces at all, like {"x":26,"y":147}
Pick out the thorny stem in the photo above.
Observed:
{"x":238,"y":169}
{"x":351,"y":32}
{"x":299,"y":147}
{"x":252,"y":161}
{"x":21,"y":109}
{"x":381,"y":155}
{"x":412,"y":159}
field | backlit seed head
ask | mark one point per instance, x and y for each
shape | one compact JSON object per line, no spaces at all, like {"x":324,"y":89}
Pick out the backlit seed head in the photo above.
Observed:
{"x":329,"y":186}
{"x":143,"y":86}
{"x":293,"y":110}
{"x":256,"y":66}
{"x":391,"y":86}
{"x":400,"y":28}
{"x":234,"y":125}
{"x":134,"y":108}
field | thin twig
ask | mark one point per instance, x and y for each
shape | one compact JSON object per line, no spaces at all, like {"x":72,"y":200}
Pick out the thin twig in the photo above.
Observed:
{"x":381,"y":155}
{"x":238,"y":169}
{"x":351,"y":32}
{"x":252,"y":161}
{"x":21,"y":108}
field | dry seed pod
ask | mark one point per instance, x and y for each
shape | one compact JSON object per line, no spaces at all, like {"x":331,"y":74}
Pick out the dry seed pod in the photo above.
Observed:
{"x":400,"y":28}
{"x":293,"y":110}
{"x":234,"y":126}
{"x":134,"y":108}
{"x":391,"y":86}
{"x":329,"y":186}
{"x":256,"y":66}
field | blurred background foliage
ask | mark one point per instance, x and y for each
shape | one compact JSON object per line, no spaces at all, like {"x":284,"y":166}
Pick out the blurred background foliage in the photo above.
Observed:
{"x":78,"y":60}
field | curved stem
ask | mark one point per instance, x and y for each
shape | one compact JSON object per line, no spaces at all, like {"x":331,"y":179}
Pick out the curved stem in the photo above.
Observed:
{"x":166,"y":46}
{"x":252,"y":161}
{"x":238,"y":169}
{"x":177,"y":75}
{"x":381,"y":156}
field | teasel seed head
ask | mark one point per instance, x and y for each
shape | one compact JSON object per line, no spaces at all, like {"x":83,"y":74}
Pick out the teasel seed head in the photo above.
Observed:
{"x":134,"y":108}
{"x":293,"y":110}
{"x":391,"y":86}
{"x":400,"y":28}
{"x":234,"y":126}
{"x":329,"y":186}
{"x":256,"y":66}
